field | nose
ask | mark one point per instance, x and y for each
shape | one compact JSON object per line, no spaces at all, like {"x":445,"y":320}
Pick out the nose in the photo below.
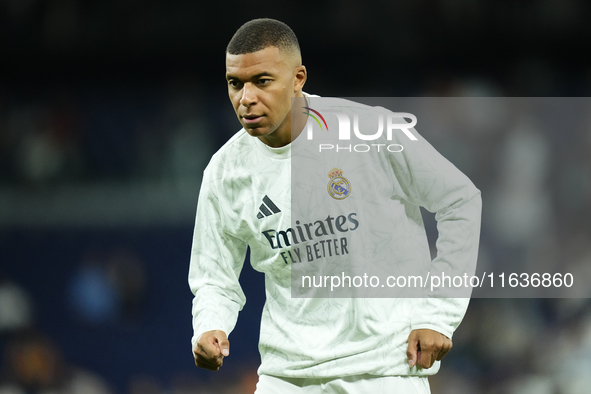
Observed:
{"x":248,"y":95}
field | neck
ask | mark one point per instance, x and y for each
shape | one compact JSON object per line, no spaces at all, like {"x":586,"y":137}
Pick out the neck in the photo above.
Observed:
{"x":295,"y":123}
{"x":298,"y":118}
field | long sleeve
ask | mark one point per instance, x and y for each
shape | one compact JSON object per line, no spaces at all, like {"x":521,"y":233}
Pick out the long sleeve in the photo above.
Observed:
{"x":429,"y":180}
{"x":216,"y":261}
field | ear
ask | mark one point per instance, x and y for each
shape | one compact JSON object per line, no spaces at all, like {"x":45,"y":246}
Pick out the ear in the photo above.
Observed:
{"x":301,"y":76}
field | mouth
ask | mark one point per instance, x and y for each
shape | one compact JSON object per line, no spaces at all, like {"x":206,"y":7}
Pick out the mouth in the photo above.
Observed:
{"x":250,"y":119}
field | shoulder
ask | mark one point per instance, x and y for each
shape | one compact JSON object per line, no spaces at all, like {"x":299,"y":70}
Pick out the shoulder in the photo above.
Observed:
{"x":229,"y":159}
{"x":239,"y":144}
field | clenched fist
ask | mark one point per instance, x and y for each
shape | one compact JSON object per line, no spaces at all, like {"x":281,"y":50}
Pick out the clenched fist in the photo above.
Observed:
{"x":210,"y":350}
{"x":425,"y":347}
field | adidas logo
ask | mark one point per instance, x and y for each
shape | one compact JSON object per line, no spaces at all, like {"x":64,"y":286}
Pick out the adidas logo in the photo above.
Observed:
{"x":267,"y":208}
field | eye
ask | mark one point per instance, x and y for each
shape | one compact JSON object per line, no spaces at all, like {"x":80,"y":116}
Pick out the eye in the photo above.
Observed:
{"x":264,"y":81}
{"x":234,"y":83}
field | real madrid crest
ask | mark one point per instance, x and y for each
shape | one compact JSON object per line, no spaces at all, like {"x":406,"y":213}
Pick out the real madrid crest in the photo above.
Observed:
{"x":339,"y":187}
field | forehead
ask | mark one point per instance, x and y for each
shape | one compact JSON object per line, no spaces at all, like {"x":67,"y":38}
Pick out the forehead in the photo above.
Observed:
{"x":269,"y":60}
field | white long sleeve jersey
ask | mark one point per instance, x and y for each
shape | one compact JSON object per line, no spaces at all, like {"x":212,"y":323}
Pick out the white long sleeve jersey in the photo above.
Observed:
{"x":246,"y":200}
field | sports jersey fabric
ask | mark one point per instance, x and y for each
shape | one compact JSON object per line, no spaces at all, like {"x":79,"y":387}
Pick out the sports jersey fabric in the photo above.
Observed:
{"x":246,"y":199}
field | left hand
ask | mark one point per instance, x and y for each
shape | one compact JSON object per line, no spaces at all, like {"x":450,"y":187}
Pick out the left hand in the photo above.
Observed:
{"x":425,"y":347}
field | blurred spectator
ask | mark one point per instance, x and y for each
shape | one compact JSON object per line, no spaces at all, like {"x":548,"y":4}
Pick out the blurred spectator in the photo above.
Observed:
{"x":191,"y":134}
{"x":108,"y":288}
{"x":41,"y":158}
{"x":92,"y":295}
{"x":144,"y":384}
{"x":127,"y":273}
{"x":16,"y":310}
{"x":45,"y":140}
{"x":34,"y":365}
{"x":521,"y":204}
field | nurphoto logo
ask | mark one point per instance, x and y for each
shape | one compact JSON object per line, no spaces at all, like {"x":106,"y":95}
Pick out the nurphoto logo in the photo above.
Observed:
{"x":389,"y":121}
{"x":315,"y":118}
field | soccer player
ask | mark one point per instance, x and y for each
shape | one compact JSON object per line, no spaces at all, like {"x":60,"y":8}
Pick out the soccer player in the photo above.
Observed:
{"x":314,"y":345}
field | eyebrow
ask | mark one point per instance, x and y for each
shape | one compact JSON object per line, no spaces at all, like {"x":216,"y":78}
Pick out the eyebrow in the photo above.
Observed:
{"x":257,"y":76}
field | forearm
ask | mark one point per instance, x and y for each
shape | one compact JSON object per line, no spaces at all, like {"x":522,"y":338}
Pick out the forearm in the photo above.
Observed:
{"x":213,"y":310}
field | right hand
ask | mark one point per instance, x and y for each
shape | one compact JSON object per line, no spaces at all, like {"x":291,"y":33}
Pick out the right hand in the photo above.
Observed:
{"x":210,"y":350}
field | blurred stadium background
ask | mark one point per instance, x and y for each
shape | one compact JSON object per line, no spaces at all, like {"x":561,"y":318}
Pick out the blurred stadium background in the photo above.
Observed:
{"x":110,"y":110}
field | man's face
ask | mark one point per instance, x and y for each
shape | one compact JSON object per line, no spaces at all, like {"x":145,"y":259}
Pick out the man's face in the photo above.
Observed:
{"x":261,"y":85}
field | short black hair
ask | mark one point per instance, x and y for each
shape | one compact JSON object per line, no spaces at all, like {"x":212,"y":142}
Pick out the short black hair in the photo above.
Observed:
{"x":259,"y":34}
